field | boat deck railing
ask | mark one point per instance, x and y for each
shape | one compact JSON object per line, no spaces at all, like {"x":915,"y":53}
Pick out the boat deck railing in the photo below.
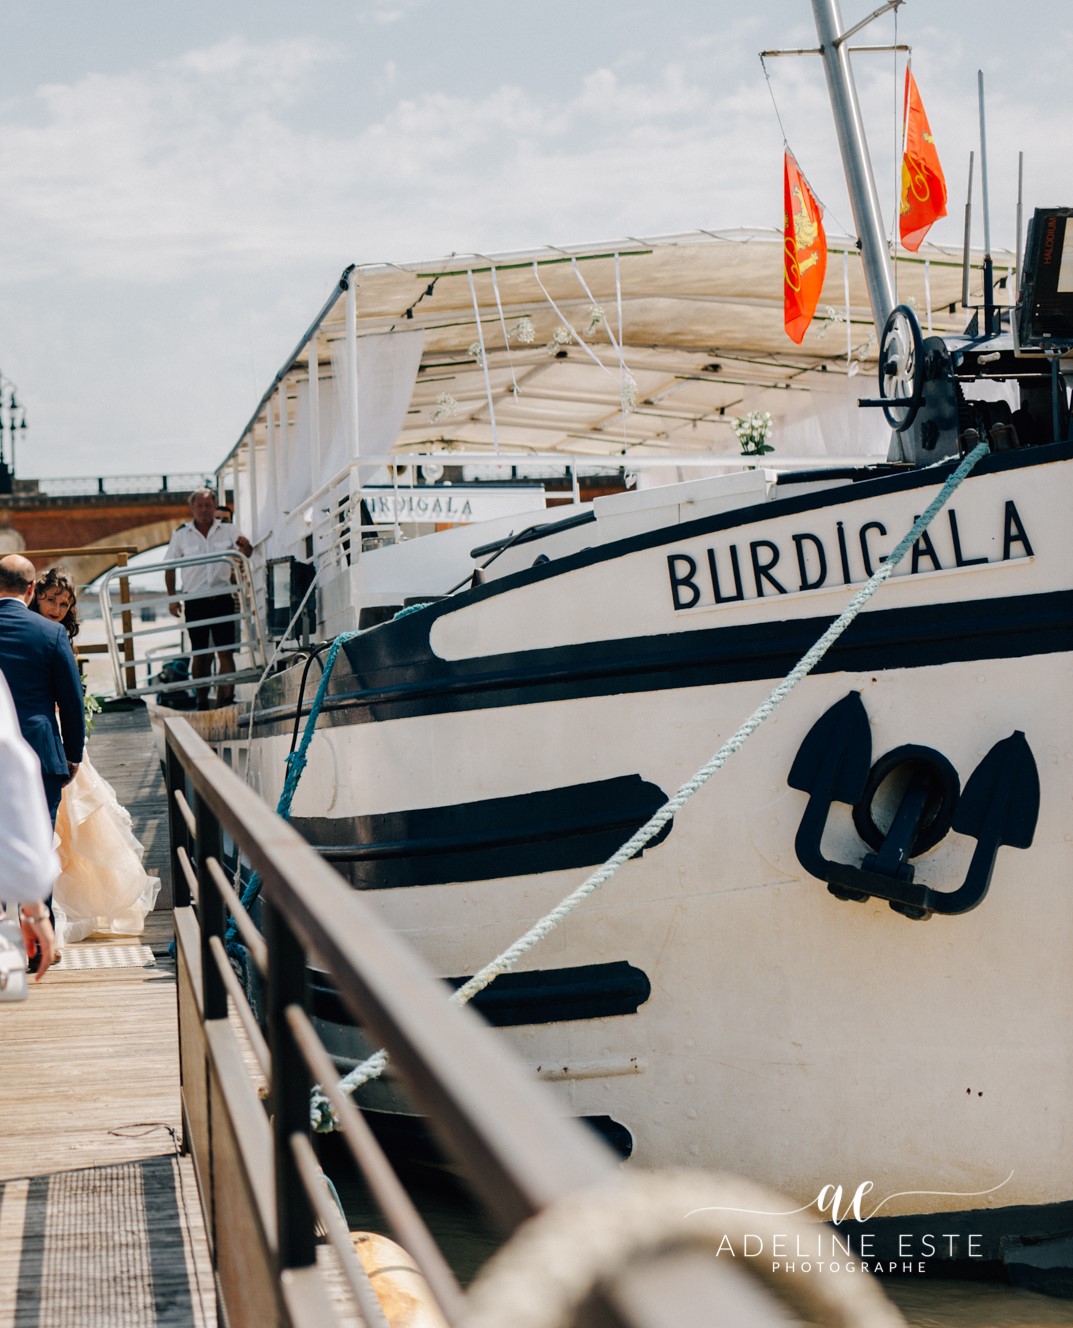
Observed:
{"x":377,"y":500}
{"x":138,"y":650}
{"x":247,"y":1081}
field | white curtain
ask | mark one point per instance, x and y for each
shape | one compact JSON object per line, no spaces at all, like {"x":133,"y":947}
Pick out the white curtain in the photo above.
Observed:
{"x":387,"y":371}
{"x":259,"y":462}
{"x":296,"y":476}
{"x":334,"y":415}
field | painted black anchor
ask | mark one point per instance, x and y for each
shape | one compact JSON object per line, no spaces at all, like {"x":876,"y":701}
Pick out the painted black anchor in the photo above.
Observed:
{"x":999,"y":805}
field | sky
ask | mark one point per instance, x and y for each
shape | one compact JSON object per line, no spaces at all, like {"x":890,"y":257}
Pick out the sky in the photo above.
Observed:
{"x":183,"y":184}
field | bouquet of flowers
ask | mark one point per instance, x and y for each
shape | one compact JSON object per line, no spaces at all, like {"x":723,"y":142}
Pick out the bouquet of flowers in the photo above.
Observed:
{"x":752,"y":431}
{"x":91,"y":708}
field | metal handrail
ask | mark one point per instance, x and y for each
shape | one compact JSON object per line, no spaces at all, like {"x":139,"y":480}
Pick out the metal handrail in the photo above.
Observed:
{"x":503,"y":1131}
{"x":250,"y":638}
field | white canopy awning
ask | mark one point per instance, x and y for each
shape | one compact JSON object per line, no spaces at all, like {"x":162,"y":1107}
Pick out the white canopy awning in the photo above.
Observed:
{"x":638,"y":347}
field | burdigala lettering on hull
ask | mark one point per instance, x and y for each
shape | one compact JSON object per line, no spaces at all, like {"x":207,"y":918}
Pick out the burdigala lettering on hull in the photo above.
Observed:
{"x":738,"y":569}
{"x":437,"y":506}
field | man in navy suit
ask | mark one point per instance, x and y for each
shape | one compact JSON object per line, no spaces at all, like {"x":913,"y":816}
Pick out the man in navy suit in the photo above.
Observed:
{"x":39,"y":665}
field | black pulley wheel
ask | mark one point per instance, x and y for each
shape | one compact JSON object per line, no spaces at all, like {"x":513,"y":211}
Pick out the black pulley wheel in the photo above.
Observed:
{"x":901,"y":368}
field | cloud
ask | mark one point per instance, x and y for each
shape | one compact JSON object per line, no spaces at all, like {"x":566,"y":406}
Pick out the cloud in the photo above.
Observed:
{"x":212,"y":162}
{"x":144,"y":175}
{"x":224,"y":160}
{"x":171,"y":229}
{"x":384,"y":12}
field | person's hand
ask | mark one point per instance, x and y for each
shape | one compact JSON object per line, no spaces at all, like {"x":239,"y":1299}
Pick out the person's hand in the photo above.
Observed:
{"x":40,"y":939}
{"x":175,"y":609}
{"x":243,"y":545}
{"x":72,"y":769}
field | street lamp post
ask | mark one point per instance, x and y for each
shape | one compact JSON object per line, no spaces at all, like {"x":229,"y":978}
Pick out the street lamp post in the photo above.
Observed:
{"x":12,"y":422}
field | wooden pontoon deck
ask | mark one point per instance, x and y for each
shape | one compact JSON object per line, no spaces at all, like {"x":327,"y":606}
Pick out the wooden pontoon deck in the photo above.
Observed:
{"x":100,"y":1220}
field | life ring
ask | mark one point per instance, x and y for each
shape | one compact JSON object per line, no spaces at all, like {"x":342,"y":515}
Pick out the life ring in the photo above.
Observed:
{"x":397,"y":1281}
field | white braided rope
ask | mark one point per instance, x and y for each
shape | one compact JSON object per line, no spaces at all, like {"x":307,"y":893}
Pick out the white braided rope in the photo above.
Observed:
{"x":575,"y":335}
{"x":552,"y":1263}
{"x":607,"y":325}
{"x":503,"y":325}
{"x":504,"y":962}
{"x":484,"y":362}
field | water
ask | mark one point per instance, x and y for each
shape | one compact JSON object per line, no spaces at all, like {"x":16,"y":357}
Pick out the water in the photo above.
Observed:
{"x":940,"y":1303}
{"x":467,"y":1240}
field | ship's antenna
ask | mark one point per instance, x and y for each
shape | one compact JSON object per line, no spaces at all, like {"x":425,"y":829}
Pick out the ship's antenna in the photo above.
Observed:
{"x":989,"y":274}
{"x":1020,"y":221}
{"x":968,"y":240}
{"x":859,"y":178}
{"x":1017,"y":254}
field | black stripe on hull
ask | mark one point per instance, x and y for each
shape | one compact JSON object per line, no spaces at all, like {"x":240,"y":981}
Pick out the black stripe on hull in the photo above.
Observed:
{"x":1031,"y":1240}
{"x":395,"y":678}
{"x":540,"y":996}
{"x":551,"y":830}
{"x":408,"y":1139}
{"x":393,"y":672}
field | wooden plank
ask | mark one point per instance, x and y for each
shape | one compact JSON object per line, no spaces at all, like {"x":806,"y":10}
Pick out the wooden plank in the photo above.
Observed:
{"x":100,"y":1220}
{"x":97,"y":1208}
{"x":110,"y":1245}
{"x":88,"y":1071}
{"x":193,"y":1062}
{"x":243,"y":1216}
{"x":123,"y":749}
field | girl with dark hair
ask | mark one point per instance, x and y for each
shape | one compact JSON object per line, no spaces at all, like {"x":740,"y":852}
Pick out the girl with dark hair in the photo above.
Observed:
{"x":56,"y":591}
{"x":102,"y":886}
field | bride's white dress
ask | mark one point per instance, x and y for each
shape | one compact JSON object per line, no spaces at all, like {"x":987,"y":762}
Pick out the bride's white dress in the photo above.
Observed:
{"x":102,"y":886}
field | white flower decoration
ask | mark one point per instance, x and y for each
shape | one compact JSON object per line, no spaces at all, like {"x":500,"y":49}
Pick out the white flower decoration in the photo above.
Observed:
{"x":562,"y":336}
{"x":752,"y":431}
{"x":446,"y":408}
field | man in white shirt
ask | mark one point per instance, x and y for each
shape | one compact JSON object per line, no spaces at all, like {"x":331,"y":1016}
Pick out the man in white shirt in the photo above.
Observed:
{"x":28,"y":862}
{"x":209,"y":588}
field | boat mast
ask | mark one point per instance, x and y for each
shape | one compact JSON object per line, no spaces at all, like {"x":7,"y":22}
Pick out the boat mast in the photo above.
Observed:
{"x":989,"y":267}
{"x":855,"y":161}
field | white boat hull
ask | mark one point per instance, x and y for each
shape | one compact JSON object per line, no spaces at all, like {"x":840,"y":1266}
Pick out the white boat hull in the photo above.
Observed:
{"x":788,"y":1035}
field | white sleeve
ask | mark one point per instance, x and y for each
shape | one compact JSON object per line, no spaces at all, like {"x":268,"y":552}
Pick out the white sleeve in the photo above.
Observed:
{"x":28,"y":862}
{"x":174,"y":549}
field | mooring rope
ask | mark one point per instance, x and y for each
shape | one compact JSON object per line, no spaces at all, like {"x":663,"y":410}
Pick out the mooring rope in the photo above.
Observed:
{"x":296,"y":764}
{"x":321,"y":1114}
{"x":553,"y":1263}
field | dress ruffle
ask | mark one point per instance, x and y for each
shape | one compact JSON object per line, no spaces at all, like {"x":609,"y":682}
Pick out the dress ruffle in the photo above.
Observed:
{"x":102,"y":886}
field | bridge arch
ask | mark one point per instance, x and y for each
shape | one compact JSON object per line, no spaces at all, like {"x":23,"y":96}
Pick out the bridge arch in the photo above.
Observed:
{"x":40,"y":522}
{"x":86,"y":566}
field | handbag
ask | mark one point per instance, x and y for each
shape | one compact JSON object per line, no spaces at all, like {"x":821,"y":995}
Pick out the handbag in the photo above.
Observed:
{"x":12,"y":962}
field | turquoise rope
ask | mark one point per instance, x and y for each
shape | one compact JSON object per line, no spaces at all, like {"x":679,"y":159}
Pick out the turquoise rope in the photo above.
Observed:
{"x":296,"y":764}
{"x":321,"y":1115}
{"x":296,"y":761}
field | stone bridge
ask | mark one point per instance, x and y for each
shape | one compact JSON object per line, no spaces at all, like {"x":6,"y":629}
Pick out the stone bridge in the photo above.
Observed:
{"x":79,"y":514}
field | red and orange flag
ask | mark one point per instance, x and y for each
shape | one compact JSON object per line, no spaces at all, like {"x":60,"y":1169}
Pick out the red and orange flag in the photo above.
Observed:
{"x":923,"y":184}
{"x":804,"y":251}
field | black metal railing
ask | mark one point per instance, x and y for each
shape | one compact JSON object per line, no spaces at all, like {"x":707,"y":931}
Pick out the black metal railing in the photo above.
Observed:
{"x":260,"y":1181}
{"x":80,"y":486}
